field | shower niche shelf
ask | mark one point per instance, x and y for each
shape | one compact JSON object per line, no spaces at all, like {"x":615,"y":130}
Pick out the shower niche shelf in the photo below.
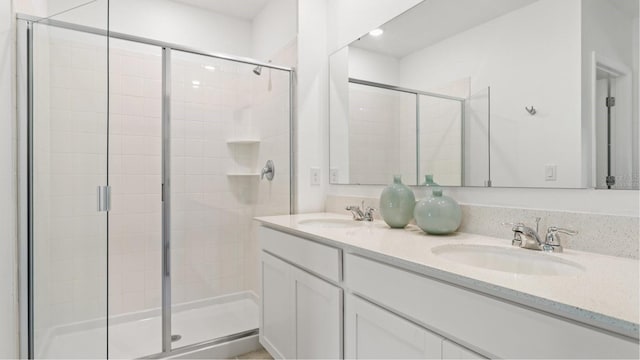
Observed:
{"x":243,"y":141}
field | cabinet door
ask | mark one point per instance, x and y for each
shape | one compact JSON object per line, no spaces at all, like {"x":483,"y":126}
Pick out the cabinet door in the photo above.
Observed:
{"x":277,"y":312}
{"x":318,"y":318}
{"x":374,"y":333}
{"x":452,"y":350}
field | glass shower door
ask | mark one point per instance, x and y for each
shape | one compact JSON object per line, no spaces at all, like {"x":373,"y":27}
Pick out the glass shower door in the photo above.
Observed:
{"x":69,"y":194}
{"x":227,"y":120}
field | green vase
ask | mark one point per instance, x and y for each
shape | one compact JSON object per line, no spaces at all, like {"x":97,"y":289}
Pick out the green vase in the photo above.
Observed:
{"x":397,"y":203}
{"x":438,"y":214}
{"x":428,"y":180}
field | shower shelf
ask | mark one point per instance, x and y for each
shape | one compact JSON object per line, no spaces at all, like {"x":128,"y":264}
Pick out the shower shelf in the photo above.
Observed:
{"x":243,"y":141}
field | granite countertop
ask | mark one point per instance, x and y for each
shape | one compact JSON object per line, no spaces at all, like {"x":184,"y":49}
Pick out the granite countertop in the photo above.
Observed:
{"x":605,"y":294}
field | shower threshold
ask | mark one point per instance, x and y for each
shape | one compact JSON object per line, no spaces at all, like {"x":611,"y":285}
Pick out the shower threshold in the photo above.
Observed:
{"x":137,"y":335}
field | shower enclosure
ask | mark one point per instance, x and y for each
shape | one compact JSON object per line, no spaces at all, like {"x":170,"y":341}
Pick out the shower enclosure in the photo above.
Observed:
{"x":140,"y":176}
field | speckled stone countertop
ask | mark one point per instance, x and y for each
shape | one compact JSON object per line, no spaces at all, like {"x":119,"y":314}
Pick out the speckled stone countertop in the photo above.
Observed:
{"x":605,"y":294}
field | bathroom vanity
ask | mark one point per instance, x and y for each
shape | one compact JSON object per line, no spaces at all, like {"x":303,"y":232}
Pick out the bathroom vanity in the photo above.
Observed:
{"x":336,"y":288}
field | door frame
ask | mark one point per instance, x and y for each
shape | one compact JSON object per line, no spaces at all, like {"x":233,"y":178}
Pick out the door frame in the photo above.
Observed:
{"x":623,"y":88}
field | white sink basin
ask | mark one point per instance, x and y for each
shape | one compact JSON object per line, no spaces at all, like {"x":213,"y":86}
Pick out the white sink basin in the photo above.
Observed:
{"x":509,"y":260}
{"x":331,"y":223}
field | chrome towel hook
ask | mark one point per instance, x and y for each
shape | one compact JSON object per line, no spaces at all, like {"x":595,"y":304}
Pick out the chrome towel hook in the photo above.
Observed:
{"x":531,"y":111}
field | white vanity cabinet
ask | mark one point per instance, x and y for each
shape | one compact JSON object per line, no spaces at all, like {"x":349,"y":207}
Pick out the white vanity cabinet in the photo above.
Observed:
{"x":301,"y":314}
{"x":392,"y":310}
{"x":372,"y":332}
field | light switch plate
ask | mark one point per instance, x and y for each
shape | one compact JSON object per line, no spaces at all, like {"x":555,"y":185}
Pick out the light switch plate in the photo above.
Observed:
{"x":315,"y":176}
{"x":551,"y":172}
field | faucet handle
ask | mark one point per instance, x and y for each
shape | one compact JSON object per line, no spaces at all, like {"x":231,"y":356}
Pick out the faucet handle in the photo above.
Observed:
{"x":552,"y":240}
{"x":515,"y":227}
{"x":553,"y":229}
{"x":368,"y":213}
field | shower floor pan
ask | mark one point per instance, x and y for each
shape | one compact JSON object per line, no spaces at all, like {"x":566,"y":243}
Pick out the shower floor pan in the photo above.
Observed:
{"x":138,"y":335}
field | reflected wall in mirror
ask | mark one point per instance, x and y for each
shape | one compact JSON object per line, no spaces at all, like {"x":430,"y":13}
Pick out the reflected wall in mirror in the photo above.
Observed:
{"x":507,"y":93}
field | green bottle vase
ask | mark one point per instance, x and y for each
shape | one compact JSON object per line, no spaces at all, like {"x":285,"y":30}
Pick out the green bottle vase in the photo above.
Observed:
{"x":438,"y":214}
{"x":397,"y":203}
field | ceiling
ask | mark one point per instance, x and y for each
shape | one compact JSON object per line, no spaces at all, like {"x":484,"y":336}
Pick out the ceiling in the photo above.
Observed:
{"x":433,"y":21}
{"x":243,"y":9}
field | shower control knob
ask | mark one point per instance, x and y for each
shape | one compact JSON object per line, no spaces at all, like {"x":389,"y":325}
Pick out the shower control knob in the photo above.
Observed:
{"x":268,"y":171}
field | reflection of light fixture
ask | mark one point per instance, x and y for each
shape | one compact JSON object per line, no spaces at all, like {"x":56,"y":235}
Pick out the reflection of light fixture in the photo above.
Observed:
{"x":209,"y":67}
{"x":376,"y":32}
{"x":196,"y":84}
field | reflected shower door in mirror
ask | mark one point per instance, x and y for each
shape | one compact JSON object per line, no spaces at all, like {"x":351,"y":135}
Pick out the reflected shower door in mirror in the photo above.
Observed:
{"x":563,"y":110}
{"x":375,"y":138}
{"x":379,"y":130}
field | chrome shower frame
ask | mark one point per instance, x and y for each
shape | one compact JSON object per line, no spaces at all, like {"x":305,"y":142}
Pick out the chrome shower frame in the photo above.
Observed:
{"x":24,"y":35}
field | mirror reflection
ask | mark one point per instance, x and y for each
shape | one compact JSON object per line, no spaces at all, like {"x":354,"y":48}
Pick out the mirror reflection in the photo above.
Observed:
{"x":503,"y":93}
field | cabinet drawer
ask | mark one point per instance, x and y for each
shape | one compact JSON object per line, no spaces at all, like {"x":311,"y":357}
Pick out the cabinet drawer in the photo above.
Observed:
{"x":320,"y":259}
{"x":495,"y":328}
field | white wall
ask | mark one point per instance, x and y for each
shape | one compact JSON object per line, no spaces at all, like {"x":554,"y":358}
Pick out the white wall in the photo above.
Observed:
{"x":373,"y":66}
{"x":274,"y":28}
{"x":8,"y":296}
{"x":312,"y":104}
{"x":527,"y":57}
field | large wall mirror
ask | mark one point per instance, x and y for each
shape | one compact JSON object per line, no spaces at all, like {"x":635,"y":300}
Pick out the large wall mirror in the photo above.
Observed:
{"x":502,"y":93}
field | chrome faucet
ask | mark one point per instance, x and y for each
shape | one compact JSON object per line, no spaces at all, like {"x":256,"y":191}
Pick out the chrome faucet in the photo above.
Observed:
{"x":528,"y":238}
{"x":361,"y":213}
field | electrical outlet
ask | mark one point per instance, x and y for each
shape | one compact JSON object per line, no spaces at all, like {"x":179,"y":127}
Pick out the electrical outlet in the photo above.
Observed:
{"x":334,"y":176}
{"x":550,"y":172}
{"x":315,"y":176}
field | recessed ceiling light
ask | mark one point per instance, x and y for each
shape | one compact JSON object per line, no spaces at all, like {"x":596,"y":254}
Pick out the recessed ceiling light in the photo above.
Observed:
{"x":210,"y":67}
{"x":195,"y":82}
{"x":376,"y":32}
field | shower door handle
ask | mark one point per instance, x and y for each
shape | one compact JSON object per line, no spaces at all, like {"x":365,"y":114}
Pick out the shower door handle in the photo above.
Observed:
{"x":104,"y":198}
